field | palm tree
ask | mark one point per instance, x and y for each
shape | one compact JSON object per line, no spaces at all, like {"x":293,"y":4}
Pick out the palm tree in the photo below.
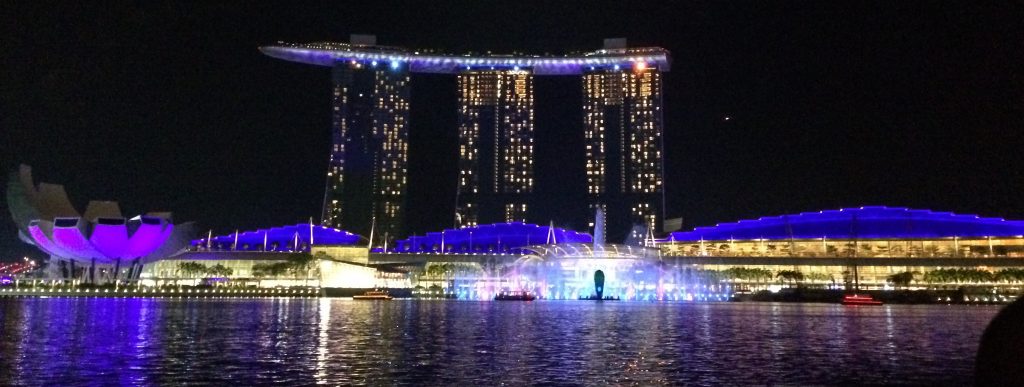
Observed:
{"x":259,"y":271}
{"x":741,"y":273}
{"x":901,"y":279}
{"x":191,"y":269}
{"x":435,"y":270}
{"x":301,"y":264}
{"x":818,"y":277}
{"x":1010,"y":275}
{"x":792,"y":275}
{"x":448,"y":273}
{"x":761,"y":274}
{"x":278,"y":269}
{"x":219,"y":270}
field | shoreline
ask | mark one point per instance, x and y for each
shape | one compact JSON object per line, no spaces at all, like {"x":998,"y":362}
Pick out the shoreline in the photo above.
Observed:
{"x":183,"y":292}
{"x":795,"y":295}
{"x":961,"y":295}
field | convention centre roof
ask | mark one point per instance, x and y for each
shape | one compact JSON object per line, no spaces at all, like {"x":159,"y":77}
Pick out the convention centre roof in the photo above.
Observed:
{"x":870,"y":222}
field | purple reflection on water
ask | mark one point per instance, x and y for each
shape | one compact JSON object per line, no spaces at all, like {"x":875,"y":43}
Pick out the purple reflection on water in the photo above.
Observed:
{"x":105,"y":341}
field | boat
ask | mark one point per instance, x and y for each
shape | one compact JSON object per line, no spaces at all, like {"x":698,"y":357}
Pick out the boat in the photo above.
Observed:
{"x":860,"y":299}
{"x":373,"y":295}
{"x":515,"y":296}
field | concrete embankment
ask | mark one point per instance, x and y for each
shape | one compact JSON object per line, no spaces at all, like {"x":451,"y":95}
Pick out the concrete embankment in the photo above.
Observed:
{"x":958,"y":296}
{"x":165,"y":292}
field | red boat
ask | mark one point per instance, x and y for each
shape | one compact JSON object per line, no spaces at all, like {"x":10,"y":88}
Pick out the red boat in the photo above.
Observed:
{"x":373,"y":295}
{"x":860,"y":299}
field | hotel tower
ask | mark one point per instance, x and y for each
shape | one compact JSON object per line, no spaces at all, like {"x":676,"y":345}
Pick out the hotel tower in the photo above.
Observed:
{"x":366,"y":180}
{"x":366,"y":177}
{"x":495,"y":146}
{"x":622,"y":130}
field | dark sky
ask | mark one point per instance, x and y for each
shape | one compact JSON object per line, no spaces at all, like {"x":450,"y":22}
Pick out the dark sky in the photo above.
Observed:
{"x":171,"y":107}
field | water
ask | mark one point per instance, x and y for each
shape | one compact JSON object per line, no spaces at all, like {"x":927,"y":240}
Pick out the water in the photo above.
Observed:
{"x":344,"y":342}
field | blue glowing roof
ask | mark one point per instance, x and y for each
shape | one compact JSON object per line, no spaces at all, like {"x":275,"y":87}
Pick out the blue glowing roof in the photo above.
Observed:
{"x":498,"y":237}
{"x":852,"y":223}
{"x":330,"y":53}
{"x":284,"y":238}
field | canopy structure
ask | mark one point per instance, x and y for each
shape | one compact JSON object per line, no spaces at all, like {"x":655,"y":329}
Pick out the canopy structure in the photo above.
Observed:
{"x":869,"y":222}
{"x":297,"y":237}
{"x":490,"y":238}
{"x":591,"y":251}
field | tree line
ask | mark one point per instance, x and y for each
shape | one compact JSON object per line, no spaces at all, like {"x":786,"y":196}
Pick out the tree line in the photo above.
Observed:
{"x":196,"y":269}
{"x":954,"y":275}
{"x":295,"y":264}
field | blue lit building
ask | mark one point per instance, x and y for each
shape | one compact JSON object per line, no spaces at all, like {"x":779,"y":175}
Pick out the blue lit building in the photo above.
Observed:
{"x":833,"y":248}
{"x":875,"y":230}
{"x":873,"y":241}
{"x":264,"y":257}
{"x":291,"y":238}
{"x":498,"y":238}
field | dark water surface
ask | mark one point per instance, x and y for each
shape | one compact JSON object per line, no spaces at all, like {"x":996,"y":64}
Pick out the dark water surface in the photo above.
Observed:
{"x":342,"y":342}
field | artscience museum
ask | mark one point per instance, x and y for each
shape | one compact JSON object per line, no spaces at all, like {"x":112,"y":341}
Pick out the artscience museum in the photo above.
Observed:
{"x":98,"y":245}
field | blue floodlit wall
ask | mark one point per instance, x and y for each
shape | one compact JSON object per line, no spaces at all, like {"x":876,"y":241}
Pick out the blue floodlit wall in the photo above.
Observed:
{"x":281,"y":239}
{"x":490,"y":238}
{"x":858,"y":223}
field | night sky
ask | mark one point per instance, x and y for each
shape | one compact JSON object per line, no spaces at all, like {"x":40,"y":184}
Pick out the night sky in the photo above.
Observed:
{"x":172,"y":107}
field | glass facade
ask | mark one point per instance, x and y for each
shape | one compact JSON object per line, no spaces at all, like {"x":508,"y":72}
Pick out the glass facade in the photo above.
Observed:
{"x":622,"y":128}
{"x":367,"y":175}
{"x":874,"y":242}
{"x":495,"y":146}
{"x":950,"y":247}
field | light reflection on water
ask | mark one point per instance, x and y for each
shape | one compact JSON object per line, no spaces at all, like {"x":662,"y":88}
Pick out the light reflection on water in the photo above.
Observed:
{"x":336,"y":341}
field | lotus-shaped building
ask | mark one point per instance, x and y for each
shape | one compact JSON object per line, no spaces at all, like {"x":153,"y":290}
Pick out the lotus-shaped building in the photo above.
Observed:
{"x":101,"y":237}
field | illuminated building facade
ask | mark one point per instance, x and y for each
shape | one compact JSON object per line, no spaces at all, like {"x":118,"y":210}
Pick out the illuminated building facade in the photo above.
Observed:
{"x":98,"y":245}
{"x":622,"y":118}
{"x":853,"y":247}
{"x":622,"y":128}
{"x":366,"y":179}
{"x":495,"y":146}
{"x":873,"y":242}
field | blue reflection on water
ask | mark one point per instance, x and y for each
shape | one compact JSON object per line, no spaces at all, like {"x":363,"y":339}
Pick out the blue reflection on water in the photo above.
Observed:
{"x":339,"y":342}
